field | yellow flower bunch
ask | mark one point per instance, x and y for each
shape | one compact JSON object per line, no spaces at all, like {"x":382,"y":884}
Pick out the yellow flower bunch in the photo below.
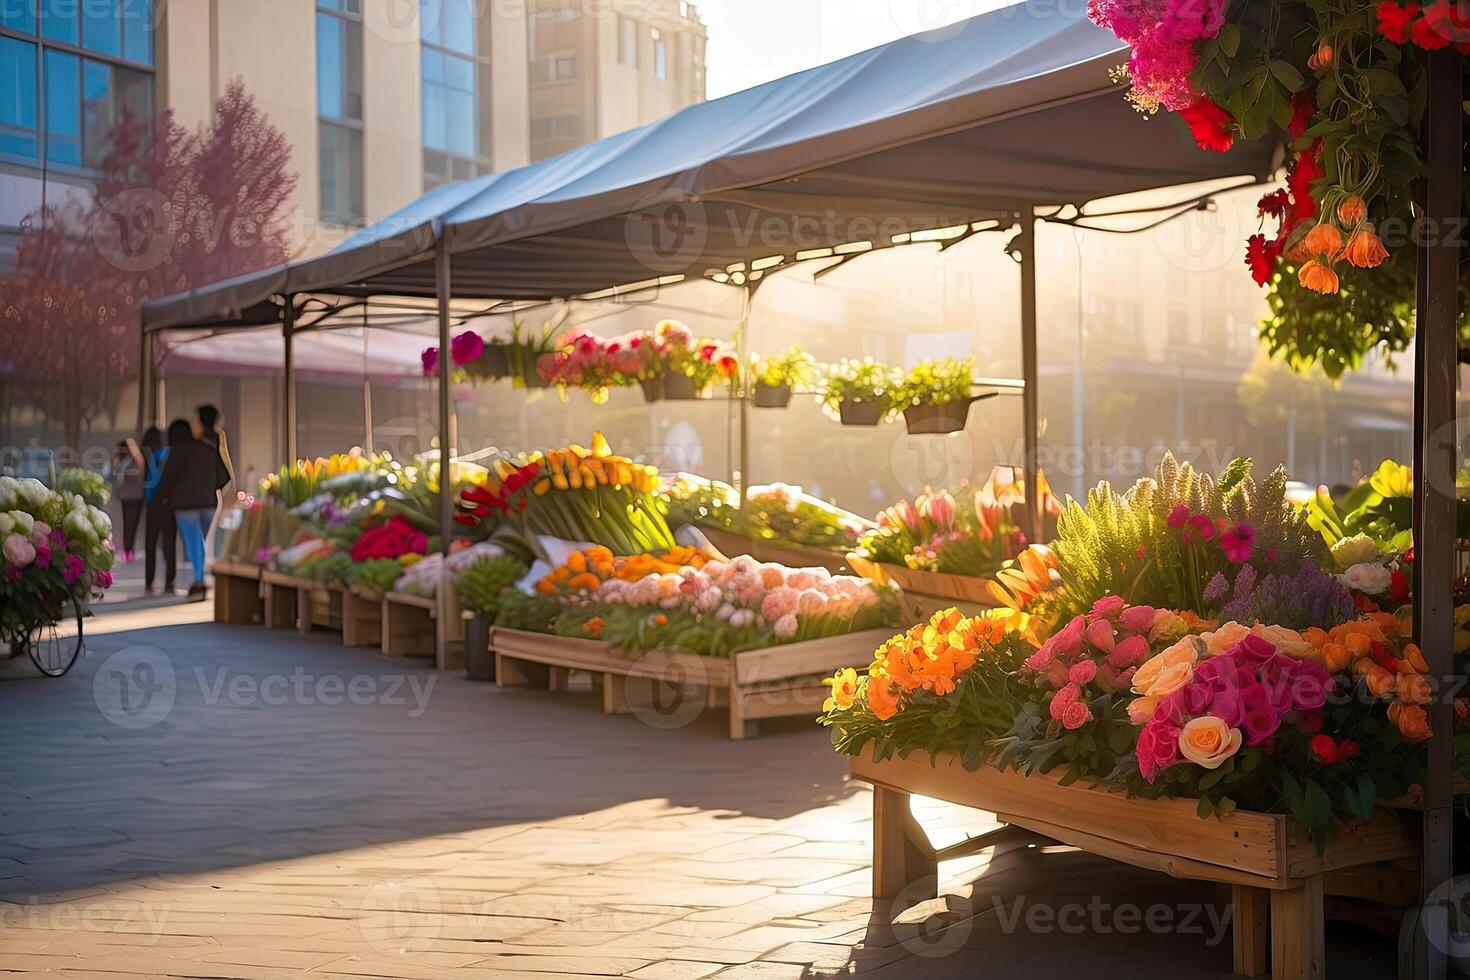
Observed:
{"x":578,"y":468}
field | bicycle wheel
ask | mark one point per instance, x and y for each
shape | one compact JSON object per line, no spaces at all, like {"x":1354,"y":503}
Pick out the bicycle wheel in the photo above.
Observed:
{"x":54,"y":646}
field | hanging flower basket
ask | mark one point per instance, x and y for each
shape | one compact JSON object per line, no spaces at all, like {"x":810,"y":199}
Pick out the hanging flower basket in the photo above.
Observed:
{"x":653,"y":388}
{"x":858,"y":411}
{"x":681,"y":387}
{"x":925,"y":420}
{"x":772,"y":396}
{"x":531,"y":378}
{"x":493,"y":364}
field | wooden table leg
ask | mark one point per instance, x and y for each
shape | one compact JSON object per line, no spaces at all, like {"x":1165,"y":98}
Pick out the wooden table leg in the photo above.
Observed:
{"x":741,"y":727}
{"x":615,"y":694}
{"x":1297,"y":943}
{"x":1249,"y":921}
{"x":903,"y":859}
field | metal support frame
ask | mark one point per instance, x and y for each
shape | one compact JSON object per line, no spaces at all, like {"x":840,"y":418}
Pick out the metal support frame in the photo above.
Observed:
{"x":288,"y":380}
{"x":1030,"y":397}
{"x":1436,"y":369}
{"x":442,"y":289}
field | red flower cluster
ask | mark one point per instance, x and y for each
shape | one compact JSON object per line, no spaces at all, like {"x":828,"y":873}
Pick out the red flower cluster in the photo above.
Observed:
{"x":1209,"y":125}
{"x":1433,"y":27}
{"x":1292,"y":206}
{"x":1330,"y":752}
{"x":478,"y":503}
{"x":391,"y":540}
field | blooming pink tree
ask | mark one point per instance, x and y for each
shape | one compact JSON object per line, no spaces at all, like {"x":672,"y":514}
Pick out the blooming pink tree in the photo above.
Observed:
{"x":171,"y":210}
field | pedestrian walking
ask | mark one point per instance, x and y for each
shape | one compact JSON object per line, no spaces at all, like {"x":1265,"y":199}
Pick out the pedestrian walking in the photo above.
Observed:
{"x":159,"y":531}
{"x":126,"y":472}
{"x":192,"y":477}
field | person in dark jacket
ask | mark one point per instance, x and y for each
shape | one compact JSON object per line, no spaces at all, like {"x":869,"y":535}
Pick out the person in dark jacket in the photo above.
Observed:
{"x":191,"y":477}
{"x":159,"y":531}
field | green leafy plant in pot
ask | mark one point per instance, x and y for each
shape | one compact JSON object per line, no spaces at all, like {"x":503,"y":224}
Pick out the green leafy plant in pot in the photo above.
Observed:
{"x":935,"y":395}
{"x":860,"y":392}
{"x":526,"y":350}
{"x":777,"y":376}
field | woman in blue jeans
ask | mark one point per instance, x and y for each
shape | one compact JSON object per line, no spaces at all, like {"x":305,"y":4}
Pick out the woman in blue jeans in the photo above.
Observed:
{"x":191,"y":476}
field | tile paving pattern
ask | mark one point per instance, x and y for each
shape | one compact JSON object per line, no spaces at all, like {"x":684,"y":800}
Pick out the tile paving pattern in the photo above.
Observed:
{"x":301,"y":808}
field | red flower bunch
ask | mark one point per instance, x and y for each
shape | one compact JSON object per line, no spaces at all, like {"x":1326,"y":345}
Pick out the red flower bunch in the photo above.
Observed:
{"x":1094,"y":654}
{"x":391,"y":540}
{"x":1209,"y":124}
{"x":1431,"y":27}
{"x":1292,"y":206}
{"x":477,"y":503}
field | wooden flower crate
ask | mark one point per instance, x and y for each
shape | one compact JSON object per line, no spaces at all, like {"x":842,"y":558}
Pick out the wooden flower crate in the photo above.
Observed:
{"x":772,"y":683}
{"x":319,"y":606}
{"x":1276,"y":877}
{"x":785,"y":553}
{"x":362,"y":617}
{"x":237,"y":598}
{"x":409,"y":627}
{"x":925,"y":593}
{"x":281,"y":598}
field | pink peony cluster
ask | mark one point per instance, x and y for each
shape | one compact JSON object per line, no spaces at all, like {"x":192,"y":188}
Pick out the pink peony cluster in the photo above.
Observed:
{"x":1162,"y":34}
{"x":1095,"y":653}
{"x":1200,"y":706}
{"x":463,"y":348}
{"x":743,"y":591}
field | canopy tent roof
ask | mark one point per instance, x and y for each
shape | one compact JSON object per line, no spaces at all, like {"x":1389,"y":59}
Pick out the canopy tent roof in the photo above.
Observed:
{"x":1010,"y":108}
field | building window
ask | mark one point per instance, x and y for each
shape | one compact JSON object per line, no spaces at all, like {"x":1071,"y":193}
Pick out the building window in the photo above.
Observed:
{"x":70,"y":75}
{"x":660,"y":57}
{"x":339,"y":109}
{"x":561,"y":67}
{"x":627,"y":42}
{"x":559,"y":128}
{"x":452,"y":73}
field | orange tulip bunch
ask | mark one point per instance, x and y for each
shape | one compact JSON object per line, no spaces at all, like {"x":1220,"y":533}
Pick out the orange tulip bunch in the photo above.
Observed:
{"x":1376,"y":652}
{"x":1324,"y":245}
{"x":585,"y":571}
{"x":929,"y":657}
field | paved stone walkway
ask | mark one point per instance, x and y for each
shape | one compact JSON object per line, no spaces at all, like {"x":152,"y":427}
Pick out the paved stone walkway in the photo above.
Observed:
{"x":204,"y":801}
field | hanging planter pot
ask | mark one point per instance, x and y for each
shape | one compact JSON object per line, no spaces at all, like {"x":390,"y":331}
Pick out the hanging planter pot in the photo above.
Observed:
{"x":493,"y":364}
{"x":653,"y":388}
{"x":859,"y":411}
{"x":531,"y":378}
{"x":681,"y":387}
{"x":772,"y":396}
{"x":930,"y":420}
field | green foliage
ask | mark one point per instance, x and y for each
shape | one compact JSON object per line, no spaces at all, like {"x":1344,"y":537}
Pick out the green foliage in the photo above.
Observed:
{"x":328,"y":569}
{"x":520,"y":611}
{"x":1122,"y":544}
{"x":795,"y":367}
{"x":482,"y":584}
{"x":866,"y":380}
{"x":377,"y":574}
{"x":85,"y":483}
{"x":778,"y":512}
{"x":937,"y":382}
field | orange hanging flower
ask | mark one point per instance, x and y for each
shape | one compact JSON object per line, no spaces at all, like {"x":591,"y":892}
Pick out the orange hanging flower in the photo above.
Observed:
{"x":1365,"y":249}
{"x":1412,"y":721}
{"x":1324,"y":239}
{"x":1352,"y":210}
{"x":1318,"y":277}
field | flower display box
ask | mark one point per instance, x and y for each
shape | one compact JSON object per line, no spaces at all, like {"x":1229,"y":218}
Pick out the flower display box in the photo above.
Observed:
{"x":319,"y":606}
{"x":362,"y":617}
{"x":925,"y":593}
{"x":281,"y":598}
{"x":1277,"y":878}
{"x":730,"y":544}
{"x":777,"y":682}
{"x":409,"y":627}
{"x":237,"y":598}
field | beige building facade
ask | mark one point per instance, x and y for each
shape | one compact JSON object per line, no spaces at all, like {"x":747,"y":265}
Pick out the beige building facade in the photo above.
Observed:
{"x":600,"y":67}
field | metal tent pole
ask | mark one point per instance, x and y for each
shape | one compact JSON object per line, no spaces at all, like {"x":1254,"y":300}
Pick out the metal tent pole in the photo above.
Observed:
{"x":146,"y":410}
{"x":288,"y":382}
{"x":446,"y":451}
{"x":1435,"y":375}
{"x":1030,"y":405}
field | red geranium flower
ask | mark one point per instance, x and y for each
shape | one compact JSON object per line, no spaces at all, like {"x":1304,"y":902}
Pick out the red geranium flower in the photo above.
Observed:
{"x":1273,"y":204}
{"x":1209,"y":125}
{"x":1302,"y":110}
{"x":1261,"y":257}
{"x":1435,"y":29}
{"x":1394,"y":20}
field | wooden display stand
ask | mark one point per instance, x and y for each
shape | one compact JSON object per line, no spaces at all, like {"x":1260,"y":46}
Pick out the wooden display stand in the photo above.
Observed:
{"x":362,"y":617}
{"x":281,"y":599}
{"x":773,"y":683}
{"x":1274,"y":872}
{"x":320,"y":606}
{"x":237,"y":598}
{"x":409,"y":628}
{"x":925,"y":593}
